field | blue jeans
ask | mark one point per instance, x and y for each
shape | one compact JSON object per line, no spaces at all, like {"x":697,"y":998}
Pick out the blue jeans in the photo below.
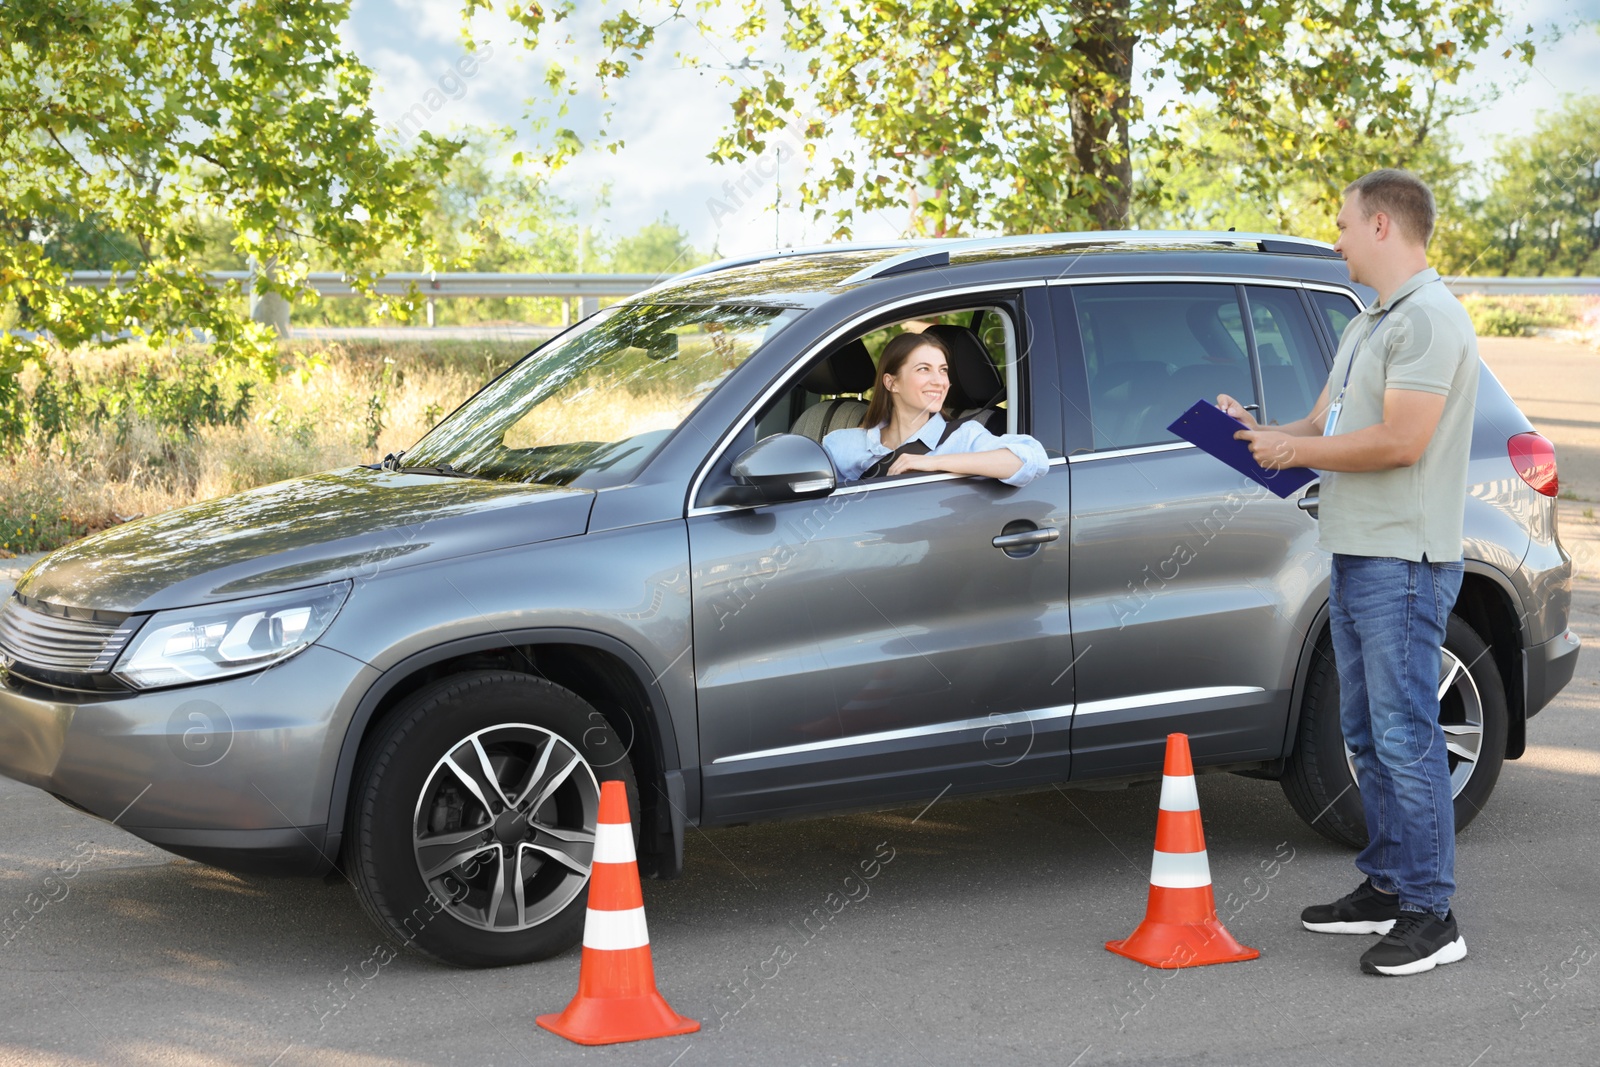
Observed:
{"x":1388,"y":618}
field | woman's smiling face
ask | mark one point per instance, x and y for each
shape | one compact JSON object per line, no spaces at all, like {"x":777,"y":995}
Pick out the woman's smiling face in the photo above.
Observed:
{"x":923,"y":381}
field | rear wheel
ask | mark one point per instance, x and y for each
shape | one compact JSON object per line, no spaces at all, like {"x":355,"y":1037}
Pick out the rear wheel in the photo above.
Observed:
{"x":472,"y":826}
{"x":1320,"y":779}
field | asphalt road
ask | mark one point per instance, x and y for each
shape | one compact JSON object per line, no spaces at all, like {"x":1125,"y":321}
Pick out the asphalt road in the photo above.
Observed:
{"x":980,"y":940}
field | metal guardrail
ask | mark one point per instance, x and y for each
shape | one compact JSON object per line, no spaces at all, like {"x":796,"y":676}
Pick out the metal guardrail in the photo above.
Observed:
{"x":587,"y":288}
{"x":448,"y":284}
{"x":460,"y":283}
{"x":1524,"y":286}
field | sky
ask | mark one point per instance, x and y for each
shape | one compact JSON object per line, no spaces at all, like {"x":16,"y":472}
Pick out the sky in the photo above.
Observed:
{"x":669,"y":115}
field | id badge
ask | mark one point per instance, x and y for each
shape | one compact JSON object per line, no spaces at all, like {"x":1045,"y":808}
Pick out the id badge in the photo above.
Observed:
{"x":1334,"y":408}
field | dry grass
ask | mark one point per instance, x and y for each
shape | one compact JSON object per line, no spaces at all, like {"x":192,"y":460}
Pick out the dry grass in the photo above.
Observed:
{"x":331,"y":405}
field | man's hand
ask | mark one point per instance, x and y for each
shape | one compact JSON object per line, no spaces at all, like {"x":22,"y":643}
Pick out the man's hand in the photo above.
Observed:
{"x":1272,"y":449}
{"x":1232,"y":407}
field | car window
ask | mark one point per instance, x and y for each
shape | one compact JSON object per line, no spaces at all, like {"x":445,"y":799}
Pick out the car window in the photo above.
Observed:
{"x":1293,"y":370}
{"x":1336,"y":310}
{"x":1152,"y":349}
{"x":590,"y":407}
{"x":806,"y":411}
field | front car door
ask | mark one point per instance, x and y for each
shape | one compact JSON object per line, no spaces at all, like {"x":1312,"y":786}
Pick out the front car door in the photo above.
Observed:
{"x":874,"y":647}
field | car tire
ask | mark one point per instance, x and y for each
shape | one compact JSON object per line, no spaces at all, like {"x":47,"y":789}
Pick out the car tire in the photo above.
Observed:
{"x":1319,"y":780}
{"x":477,"y":786}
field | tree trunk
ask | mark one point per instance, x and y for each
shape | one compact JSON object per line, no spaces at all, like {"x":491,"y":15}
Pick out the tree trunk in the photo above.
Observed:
{"x":1098,"y":104}
{"x":268,"y":308}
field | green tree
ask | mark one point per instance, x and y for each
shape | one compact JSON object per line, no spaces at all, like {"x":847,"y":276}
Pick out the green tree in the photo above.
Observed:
{"x":155,"y":123}
{"x":483,"y":216}
{"x":1017,"y":115}
{"x":479,"y":215}
{"x":1541,"y":211}
{"x":659,"y":247}
{"x":1216,"y":183}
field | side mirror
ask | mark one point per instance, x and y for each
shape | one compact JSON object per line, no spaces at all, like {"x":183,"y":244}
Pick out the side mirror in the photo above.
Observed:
{"x":785,"y":466}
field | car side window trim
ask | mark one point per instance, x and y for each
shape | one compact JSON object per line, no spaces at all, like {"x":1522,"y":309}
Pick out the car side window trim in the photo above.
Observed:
{"x":1208,"y":279}
{"x":1106,"y":433}
{"x":786,"y":381}
{"x":1320,"y":319}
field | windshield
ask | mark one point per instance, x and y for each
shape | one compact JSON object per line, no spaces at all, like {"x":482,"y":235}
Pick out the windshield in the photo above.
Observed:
{"x":590,"y":407}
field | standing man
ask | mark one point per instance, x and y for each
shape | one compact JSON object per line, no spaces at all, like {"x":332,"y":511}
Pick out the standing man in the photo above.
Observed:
{"x":1391,"y":434}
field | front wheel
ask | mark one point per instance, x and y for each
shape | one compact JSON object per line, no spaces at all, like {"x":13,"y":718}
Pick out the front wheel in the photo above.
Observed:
{"x":1320,"y":778}
{"x":473,"y":821}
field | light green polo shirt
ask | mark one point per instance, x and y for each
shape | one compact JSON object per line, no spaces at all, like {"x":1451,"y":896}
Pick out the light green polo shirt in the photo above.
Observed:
{"x":1425,"y":343}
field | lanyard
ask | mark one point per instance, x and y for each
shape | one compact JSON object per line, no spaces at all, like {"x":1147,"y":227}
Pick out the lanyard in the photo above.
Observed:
{"x":1357,"y":350}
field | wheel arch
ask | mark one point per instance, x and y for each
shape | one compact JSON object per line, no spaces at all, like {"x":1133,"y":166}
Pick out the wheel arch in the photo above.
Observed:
{"x":1302,"y":671}
{"x":597,"y":667}
{"x":1486,"y":603}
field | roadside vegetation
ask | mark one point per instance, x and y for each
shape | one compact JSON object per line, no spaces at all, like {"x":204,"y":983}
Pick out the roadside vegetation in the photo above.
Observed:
{"x":103,"y":435}
{"x":1525,"y":316}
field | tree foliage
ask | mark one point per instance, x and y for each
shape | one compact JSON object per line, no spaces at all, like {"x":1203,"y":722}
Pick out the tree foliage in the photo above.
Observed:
{"x":1541,"y":211}
{"x":1017,"y":115}
{"x":660,"y":247}
{"x":133,"y":128}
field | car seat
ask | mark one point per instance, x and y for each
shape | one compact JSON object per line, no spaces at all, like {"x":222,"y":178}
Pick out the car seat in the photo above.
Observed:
{"x":847,"y":370}
{"x":976,"y":388}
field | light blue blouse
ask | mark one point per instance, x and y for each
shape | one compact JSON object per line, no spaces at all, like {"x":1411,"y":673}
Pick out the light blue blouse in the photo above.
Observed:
{"x":853,"y":451}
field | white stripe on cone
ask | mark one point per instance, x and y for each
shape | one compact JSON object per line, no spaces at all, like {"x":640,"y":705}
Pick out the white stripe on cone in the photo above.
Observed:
{"x":613,"y":930}
{"x":1178,"y":794}
{"x":613,"y":843}
{"x":1179,"y":870}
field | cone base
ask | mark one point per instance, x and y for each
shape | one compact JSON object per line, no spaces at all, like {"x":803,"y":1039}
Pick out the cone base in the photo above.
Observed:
{"x":612,"y":1020}
{"x":1171,"y":946}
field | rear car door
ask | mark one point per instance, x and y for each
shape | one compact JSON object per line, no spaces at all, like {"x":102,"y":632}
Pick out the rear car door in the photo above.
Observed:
{"x":1193,"y":588}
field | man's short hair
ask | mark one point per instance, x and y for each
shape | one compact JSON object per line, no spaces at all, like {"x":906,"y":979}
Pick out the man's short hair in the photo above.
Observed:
{"x":1402,"y":196}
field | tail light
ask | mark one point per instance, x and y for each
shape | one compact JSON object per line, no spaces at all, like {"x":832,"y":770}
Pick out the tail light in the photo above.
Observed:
{"x":1534,"y":457}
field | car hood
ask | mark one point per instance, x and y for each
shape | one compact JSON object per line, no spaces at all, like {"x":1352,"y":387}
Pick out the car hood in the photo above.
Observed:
{"x":326,"y":527}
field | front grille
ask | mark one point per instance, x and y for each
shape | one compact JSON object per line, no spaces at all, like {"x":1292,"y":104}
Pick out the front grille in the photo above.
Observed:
{"x":55,"y":638}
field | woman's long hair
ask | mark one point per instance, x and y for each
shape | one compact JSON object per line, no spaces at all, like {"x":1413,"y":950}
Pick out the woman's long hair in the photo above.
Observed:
{"x":894,"y":356}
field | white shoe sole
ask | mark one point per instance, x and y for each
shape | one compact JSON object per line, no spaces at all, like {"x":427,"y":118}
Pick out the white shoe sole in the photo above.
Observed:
{"x":1455,"y":950}
{"x":1365,"y":927}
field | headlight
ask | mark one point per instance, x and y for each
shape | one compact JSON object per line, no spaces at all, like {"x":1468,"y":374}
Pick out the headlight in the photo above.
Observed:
{"x":199,"y":644}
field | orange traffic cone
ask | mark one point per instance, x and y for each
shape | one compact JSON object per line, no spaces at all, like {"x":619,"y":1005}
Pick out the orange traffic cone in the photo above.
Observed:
{"x":617,"y":998}
{"x":1180,"y":927}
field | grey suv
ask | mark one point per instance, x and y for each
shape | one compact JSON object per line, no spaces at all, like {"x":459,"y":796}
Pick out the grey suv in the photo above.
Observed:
{"x":628,"y":558}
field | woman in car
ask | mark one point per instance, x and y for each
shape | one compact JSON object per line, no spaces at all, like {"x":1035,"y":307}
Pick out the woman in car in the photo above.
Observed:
{"x":905,"y":430}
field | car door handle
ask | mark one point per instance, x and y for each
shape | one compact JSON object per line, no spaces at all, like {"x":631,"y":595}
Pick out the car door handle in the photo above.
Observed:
{"x":1023,"y":538}
{"x":1309,"y":502}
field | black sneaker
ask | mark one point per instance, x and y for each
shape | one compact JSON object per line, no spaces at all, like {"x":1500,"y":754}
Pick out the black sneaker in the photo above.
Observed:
{"x":1364,"y":911}
{"x":1419,"y":941}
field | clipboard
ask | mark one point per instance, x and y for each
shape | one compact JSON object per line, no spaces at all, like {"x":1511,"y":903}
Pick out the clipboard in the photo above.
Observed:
{"x":1211,"y":429}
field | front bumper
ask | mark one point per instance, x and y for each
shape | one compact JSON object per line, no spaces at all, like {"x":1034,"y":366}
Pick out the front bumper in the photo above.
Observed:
{"x":237,"y":773}
{"x":1550,"y":668}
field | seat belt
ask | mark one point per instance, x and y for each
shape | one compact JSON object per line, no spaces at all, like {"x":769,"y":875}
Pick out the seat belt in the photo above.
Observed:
{"x":912,"y":447}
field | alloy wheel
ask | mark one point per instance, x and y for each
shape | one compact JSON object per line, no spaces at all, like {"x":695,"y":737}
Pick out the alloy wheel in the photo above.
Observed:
{"x":1461,"y":716}
{"x":504,"y":827}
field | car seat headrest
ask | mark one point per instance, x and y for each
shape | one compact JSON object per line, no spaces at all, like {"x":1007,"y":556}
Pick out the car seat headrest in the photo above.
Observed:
{"x":848,"y":370}
{"x":975,"y":381}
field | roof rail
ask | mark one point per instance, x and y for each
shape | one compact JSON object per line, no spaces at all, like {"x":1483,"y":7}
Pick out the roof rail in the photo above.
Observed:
{"x":1261,"y":242}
